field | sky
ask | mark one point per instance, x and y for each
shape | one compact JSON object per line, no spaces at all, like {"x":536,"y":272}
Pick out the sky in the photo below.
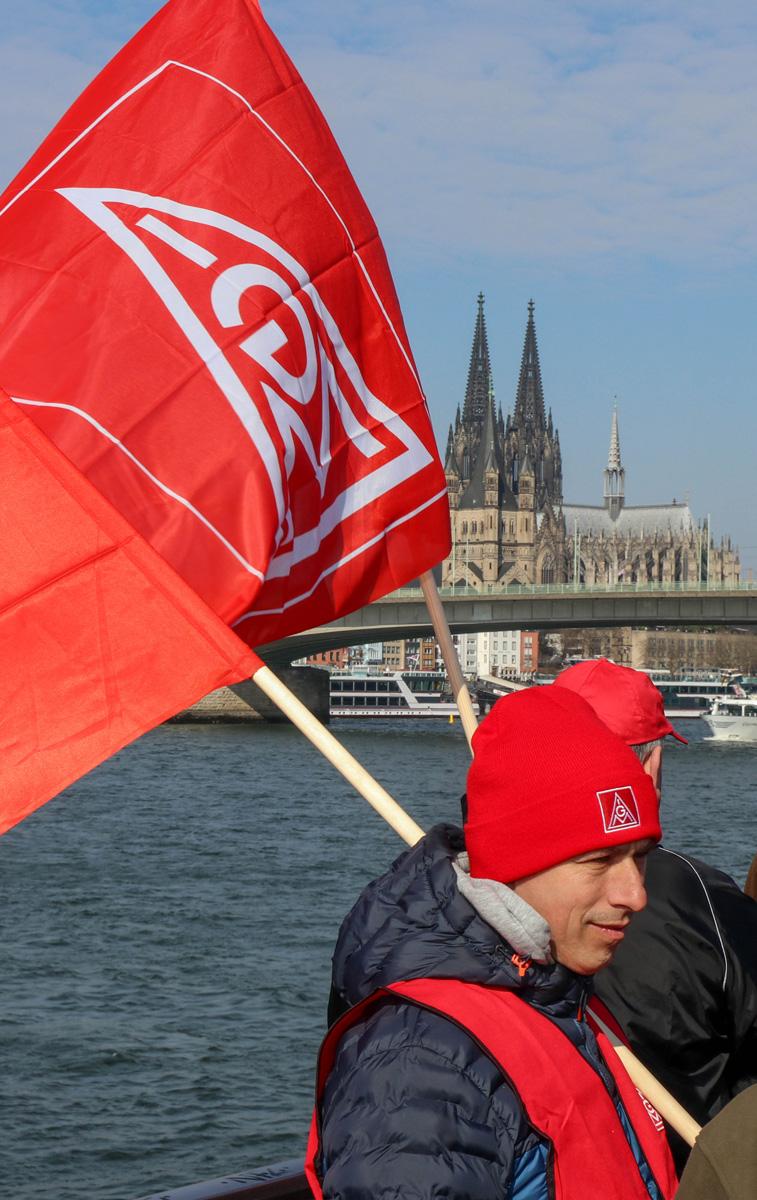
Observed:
{"x":597,"y":157}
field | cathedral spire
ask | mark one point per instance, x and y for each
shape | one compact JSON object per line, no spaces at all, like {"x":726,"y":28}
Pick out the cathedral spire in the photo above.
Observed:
{"x":614,"y":472}
{"x":450,"y":462}
{"x":529,"y":400}
{"x":488,"y":451}
{"x":479,"y":384}
{"x":613,"y":458}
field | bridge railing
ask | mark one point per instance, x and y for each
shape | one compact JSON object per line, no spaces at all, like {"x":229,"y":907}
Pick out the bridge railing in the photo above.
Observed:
{"x":571,"y":589}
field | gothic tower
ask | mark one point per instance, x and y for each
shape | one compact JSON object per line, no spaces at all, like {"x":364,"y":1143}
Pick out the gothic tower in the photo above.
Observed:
{"x":465,"y":438}
{"x":526,"y":529}
{"x":474,"y":467}
{"x":477,"y":523}
{"x":529,"y":434}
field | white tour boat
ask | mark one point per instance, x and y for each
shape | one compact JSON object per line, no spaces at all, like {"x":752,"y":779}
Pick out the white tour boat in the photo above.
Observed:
{"x":391,"y":694}
{"x":694,"y":697}
{"x":733,"y":719}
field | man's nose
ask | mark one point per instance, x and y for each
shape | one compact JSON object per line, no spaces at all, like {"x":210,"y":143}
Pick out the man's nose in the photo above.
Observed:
{"x":627,"y":886}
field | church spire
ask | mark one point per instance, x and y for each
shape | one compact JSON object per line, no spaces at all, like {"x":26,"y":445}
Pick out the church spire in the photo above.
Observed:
{"x":488,"y":451}
{"x":479,"y":384}
{"x":529,"y":400}
{"x":614,"y":472}
{"x":450,"y":462}
{"x":613,"y":458}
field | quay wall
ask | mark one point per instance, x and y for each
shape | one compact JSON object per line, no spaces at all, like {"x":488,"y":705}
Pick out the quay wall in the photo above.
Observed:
{"x":244,"y":702}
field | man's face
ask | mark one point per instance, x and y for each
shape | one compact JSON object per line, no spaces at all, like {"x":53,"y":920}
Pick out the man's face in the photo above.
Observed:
{"x":588,"y":902}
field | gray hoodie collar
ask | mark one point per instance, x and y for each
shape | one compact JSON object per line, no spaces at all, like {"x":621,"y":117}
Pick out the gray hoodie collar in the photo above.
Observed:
{"x":521,"y":926}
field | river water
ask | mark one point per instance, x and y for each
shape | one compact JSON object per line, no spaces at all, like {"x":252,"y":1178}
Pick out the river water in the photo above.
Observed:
{"x":167,"y":930}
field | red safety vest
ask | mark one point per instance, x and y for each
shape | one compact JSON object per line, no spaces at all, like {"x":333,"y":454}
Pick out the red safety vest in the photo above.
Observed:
{"x":563,"y":1096}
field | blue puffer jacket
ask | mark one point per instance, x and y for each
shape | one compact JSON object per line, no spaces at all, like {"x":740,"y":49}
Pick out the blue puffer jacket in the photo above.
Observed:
{"x":413,"y":1107}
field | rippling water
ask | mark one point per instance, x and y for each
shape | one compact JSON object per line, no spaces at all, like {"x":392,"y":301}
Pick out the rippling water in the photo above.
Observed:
{"x":167,"y":929}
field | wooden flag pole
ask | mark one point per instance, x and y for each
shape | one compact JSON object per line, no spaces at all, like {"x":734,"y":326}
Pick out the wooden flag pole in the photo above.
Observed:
{"x":449,"y":654}
{"x":403,"y":824}
{"x":667,"y":1106}
{"x":372,"y":791}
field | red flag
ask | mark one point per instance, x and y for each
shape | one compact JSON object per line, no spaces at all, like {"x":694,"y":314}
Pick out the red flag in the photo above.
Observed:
{"x":197,"y":310}
{"x":197,"y":314}
{"x":100,"y":640}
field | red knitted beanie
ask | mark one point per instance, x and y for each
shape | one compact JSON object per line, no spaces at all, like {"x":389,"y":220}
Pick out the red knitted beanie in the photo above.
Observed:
{"x":548,"y":782}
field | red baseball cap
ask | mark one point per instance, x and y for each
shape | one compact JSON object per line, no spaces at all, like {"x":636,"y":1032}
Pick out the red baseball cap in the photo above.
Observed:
{"x":624,"y":699}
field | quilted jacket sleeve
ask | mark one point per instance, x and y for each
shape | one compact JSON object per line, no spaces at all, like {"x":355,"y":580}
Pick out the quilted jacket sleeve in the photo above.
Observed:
{"x":414,"y":1108}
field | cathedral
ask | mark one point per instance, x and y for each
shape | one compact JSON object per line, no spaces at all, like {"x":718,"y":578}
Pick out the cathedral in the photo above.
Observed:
{"x":510,"y":523}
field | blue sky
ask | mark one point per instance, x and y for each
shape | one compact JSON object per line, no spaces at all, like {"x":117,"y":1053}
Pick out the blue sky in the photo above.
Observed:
{"x":599,"y":158}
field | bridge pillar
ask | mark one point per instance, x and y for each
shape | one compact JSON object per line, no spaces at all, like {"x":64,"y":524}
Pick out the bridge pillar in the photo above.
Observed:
{"x":309,"y":684}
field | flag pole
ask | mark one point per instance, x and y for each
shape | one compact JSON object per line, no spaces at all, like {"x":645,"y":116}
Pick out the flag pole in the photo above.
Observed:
{"x":339,"y":757}
{"x":667,"y":1106}
{"x":449,"y":654}
{"x":410,"y":832}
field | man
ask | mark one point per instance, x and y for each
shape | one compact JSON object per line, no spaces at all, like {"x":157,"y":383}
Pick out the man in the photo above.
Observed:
{"x":462,"y":1064}
{"x":684,"y":983}
{"x":723,"y":1163}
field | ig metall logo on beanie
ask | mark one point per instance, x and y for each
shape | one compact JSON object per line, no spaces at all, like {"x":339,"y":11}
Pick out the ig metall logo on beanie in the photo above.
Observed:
{"x":619,"y":809}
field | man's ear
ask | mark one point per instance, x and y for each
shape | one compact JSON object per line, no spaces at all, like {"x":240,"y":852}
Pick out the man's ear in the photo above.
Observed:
{"x":653,"y":766}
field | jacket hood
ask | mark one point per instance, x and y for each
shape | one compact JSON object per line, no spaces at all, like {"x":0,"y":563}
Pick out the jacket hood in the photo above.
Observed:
{"x":415,"y":923}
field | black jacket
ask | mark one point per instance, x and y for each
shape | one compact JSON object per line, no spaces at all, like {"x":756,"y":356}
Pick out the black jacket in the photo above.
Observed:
{"x":683,"y":983}
{"x":413,"y":1106}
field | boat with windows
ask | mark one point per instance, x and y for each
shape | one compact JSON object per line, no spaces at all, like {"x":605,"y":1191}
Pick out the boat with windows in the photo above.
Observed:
{"x":694,"y":696}
{"x":688,"y":696}
{"x":733,"y":719}
{"x":369,"y":693}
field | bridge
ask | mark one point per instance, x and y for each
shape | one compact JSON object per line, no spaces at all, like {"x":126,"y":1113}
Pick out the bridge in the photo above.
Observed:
{"x":403,"y":614}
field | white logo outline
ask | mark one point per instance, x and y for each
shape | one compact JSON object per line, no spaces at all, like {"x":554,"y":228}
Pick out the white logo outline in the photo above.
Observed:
{"x":93,"y":204}
{"x":623,"y":809}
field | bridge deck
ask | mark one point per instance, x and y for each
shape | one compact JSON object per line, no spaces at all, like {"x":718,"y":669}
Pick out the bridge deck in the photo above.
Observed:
{"x":558,"y":606}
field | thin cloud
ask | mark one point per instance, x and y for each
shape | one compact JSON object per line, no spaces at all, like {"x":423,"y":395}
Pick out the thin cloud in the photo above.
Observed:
{"x":624,"y":136}
{"x":600,"y":131}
